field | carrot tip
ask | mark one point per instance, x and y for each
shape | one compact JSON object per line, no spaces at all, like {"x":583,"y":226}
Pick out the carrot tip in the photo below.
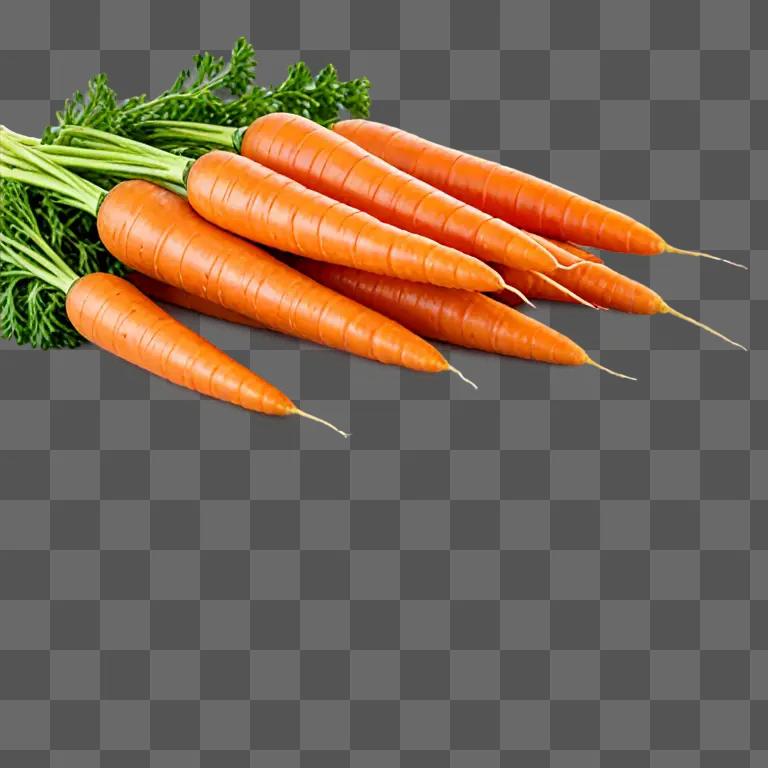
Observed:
{"x":462,"y":376}
{"x":566,"y":291}
{"x":702,"y":255}
{"x":675,"y":313}
{"x":590,"y":361}
{"x":519,"y":293}
{"x":325,"y":423}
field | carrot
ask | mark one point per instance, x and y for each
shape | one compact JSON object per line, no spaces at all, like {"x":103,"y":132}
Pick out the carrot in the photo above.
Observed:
{"x":156,"y":232}
{"x":113,"y":314}
{"x":255,"y":202}
{"x":465,"y":318}
{"x":169,"y":294}
{"x":604,"y":287}
{"x":524,"y":200}
{"x":330,"y":164}
{"x":116,"y":316}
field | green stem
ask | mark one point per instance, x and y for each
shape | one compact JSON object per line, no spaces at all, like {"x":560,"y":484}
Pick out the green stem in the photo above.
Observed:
{"x":29,"y":166}
{"x":14,"y":252}
{"x":30,"y":230}
{"x":67,"y":194}
{"x":20,"y":137}
{"x":200,"y":134}
{"x":116,"y":167}
{"x":73,"y":151}
{"x":117,"y":156}
{"x":92,"y":138}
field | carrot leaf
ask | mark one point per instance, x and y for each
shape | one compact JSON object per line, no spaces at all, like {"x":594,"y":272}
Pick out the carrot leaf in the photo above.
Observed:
{"x":219,"y":92}
{"x":44,"y":247}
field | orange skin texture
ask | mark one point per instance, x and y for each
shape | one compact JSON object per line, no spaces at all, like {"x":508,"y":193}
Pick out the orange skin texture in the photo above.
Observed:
{"x":524,"y":200}
{"x":464,"y":318}
{"x":594,"y":282}
{"x":328,"y":163}
{"x":157,"y":233}
{"x":262,"y":205}
{"x":169,"y":294}
{"x":115,"y":315}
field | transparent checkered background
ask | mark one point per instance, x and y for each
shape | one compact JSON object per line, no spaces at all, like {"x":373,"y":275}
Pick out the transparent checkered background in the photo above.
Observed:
{"x":561,"y":570}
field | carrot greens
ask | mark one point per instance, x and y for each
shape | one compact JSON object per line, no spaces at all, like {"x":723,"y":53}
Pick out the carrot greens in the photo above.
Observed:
{"x":218,"y":92}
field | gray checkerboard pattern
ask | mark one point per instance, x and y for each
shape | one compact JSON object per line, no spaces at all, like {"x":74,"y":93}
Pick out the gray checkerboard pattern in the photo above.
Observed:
{"x":561,"y":570}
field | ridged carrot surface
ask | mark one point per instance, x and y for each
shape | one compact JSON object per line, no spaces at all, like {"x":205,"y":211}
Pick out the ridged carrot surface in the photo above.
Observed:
{"x":325,"y":161}
{"x":116,"y":316}
{"x":596,"y":283}
{"x":253,"y":201}
{"x":459,"y":317}
{"x":169,"y":294}
{"x":522,"y":199}
{"x":602,"y":286}
{"x":156,"y":232}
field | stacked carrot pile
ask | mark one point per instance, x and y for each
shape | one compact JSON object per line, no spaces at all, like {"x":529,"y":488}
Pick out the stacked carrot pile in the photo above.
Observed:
{"x":350,"y":233}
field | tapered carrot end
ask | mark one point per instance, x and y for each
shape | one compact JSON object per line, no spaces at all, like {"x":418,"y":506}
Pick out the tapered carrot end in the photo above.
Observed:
{"x":519,"y":293}
{"x":566,"y":291}
{"x":702,"y":255}
{"x":325,"y":423}
{"x":590,"y":361}
{"x":462,"y":377}
{"x":666,"y":309}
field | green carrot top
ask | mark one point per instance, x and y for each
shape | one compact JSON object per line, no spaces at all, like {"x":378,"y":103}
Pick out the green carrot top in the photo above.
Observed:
{"x":217,"y":92}
{"x":42,"y":254}
{"x":48,"y":240}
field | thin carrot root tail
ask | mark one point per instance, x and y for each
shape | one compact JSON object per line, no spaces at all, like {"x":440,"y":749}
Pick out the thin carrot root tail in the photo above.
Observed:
{"x":462,"y":377}
{"x":702,"y":255}
{"x":566,"y":291}
{"x":575,"y":265}
{"x":519,"y":293}
{"x":554,"y":258}
{"x":325,"y":423}
{"x":590,"y":361}
{"x":666,"y":309}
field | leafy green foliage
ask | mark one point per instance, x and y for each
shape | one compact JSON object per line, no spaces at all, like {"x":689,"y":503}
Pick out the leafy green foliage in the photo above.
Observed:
{"x":32,"y":308}
{"x":217,"y":92}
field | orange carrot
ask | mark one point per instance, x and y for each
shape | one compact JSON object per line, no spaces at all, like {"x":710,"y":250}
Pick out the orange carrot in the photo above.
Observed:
{"x":465,"y":318}
{"x":604,"y":287}
{"x":156,"y":232}
{"x":253,"y":201}
{"x":114,"y":315}
{"x":524,"y":200}
{"x":328,"y":163}
{"x":169,"y":294}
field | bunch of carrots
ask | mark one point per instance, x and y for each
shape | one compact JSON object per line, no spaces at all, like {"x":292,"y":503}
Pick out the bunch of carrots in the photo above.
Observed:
{"x":354,"y":235}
